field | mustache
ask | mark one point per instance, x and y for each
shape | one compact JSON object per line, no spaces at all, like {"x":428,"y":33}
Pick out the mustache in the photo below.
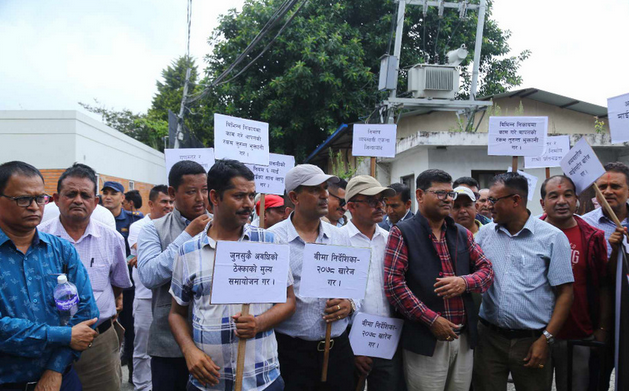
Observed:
{"x":244,"y":211}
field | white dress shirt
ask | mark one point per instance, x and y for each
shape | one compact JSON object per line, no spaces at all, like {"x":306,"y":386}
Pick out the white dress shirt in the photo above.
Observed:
{"x":141,"y":292}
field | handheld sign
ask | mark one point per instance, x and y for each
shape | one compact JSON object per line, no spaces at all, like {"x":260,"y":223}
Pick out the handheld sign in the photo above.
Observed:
{"x":241,"y":139}
{"x":517,"y":136}
{"x":334,"y":271}
{"x":375,"y":140}
{"x":270,"y":179}
{"x":250,"y":272}
{"x":556,"y":148}
{"x":203,"y":156}
{"x":582,"y":165}
{"x":532,"y":179}
{"x":375,"y":336}
{"x":618,"y":114}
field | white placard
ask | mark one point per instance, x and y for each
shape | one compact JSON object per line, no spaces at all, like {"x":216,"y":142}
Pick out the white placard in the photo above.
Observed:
{"x":582,"y":165}
{"x":517,"y":136}
{"x":270,"y":179}
{"x":334,"y":272}
{"x":532,"y":179}
{"x":618,"y":115}
{"x":250,"y":272}
{"x":241,"y":139}
{"x":375,"y":336}
{"x":556,"y":148}
{"x":375,"y":140}
{"x":203,"y":156}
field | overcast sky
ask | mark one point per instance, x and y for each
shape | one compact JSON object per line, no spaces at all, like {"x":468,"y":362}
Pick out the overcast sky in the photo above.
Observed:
{"x":57,"y":53}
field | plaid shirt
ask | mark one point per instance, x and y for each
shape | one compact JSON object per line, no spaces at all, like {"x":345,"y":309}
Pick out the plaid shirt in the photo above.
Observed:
{"x":213,"y":328}
{"x":403,"y":299}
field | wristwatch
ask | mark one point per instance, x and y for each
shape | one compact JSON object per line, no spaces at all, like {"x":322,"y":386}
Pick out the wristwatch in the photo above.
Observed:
{"x":353,"y":306}
{"x":549,"y":337}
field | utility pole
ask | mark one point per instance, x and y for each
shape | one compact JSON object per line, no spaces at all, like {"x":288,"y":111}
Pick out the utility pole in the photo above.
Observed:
{"x":182,"y":109}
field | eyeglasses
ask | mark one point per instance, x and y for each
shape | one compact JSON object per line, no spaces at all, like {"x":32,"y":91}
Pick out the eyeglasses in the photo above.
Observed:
{"x":493,"y":200}
{"x":442,"y":194}
{"x":342,"y":201}
{"x":372,"y":202}
{"x":26,"y":201}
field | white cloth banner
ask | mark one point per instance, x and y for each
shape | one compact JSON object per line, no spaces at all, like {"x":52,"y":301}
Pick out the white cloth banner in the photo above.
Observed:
{"x":618,"y":116}
{"x":374,"y":140}
{"x":556,"y":148}
{"x":241,"y":139}
{"x":517,"y":136}
{"x":270,"y":179}
{"x":375,"y":336}
{"x":582,"y":165}
{"x":203,"y":156}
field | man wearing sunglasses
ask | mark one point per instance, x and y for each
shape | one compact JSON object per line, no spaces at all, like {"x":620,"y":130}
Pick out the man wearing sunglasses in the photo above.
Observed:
{"x":337,"y":206}
{"x":431,"y":267}
{"x":532,"y":294}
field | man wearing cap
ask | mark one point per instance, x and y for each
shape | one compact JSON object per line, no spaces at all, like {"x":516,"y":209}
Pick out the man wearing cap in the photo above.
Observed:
{"x":398,"y":206}
{"x":274,"y":211}
{"x":464,"y":209}
{"x":365,"y":200}
{"x":301,"y":338}
{"x":472,"y":184}
{"x":431,"y":266}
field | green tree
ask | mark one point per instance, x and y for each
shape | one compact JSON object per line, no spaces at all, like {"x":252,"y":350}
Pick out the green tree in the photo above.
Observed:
{"x":170,"y":90}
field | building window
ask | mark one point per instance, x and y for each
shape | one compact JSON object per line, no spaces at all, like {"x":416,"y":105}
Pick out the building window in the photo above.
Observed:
{"x":484,"y":177}
{"x":131,"y":185}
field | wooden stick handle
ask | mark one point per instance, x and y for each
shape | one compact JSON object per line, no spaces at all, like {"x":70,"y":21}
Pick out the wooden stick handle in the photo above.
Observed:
{"x":547,"y":172}
{"x":373,"y":167}
{"x":242,"y":346}
{"x":361,"y":383}
{"x":262,"y":199}
{"x":514,"y":164}
{"x":326,"y":353}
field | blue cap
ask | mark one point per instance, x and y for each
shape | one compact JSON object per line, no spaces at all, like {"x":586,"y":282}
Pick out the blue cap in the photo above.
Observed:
{"x":117,"y":186}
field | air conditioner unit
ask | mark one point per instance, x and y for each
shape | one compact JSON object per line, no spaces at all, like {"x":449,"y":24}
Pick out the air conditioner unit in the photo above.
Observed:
{"x":433,"y":81}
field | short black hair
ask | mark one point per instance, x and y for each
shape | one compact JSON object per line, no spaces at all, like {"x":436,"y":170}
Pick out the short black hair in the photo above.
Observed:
{"x":8,"y":169}
{"x":466,"y":180}
{"x":514,"y":181}
{"x":154,"y":193}
{"x":134,"y":195}
{"x":428,"y":177}
{"x":341,"y":184}
{"x":220,"y":175}
{"x":403,"y":190}
{"x":618,"y":167}
{"x":542,"y":189}
{"x":184,"y":167}
{"x":79,"y":170}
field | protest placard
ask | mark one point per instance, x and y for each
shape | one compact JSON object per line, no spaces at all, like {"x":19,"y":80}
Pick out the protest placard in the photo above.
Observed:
{"x":375,"y":336}
{"x":532,"y":179}
{"x":270,"y":179}
{"x":203,"y":156}
{"x":582,"y":165}
{"x":334,"y":271}
{"x":618,"y":115}
{"x":556,"y":148}
{"x":250,"y":272}
{"x":375,"y":140}
{"x":241,"y":139}
{"x":517,"y":136}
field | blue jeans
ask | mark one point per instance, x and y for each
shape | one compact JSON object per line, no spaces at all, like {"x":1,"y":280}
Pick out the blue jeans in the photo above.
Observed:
{"x":277,"y":385}
{"x":71,"y":382}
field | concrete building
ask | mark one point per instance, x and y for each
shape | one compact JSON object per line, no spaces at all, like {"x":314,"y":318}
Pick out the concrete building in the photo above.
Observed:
{"x":53,"y":140}
{"x":433,"y":139}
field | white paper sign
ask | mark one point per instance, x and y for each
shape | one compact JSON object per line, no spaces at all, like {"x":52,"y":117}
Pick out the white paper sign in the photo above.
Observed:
{"x":556,"y":148}
{"x":334,"y":272}
{"x":250,"y":272}
{"x":203,"y":156}
{"x":375,"y":140}
{"x":241,"y":139}
{"x":532,"y":179}
{"x":375,"y":336}
{"x":618,"y":114}
{"x":270,"y":179}
{"x":582,"y":165}
{"x":517,"y":136}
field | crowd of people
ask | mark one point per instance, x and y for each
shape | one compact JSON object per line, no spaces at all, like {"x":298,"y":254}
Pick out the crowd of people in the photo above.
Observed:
{"x":486,"y":290}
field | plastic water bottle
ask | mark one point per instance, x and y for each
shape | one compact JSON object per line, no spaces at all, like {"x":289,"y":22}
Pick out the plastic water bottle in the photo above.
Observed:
{"x":66,"y":299}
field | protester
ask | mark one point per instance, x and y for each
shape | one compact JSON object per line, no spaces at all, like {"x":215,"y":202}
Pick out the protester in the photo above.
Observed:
{"x":366,"y":199}
{"x":301,"y":338}
{"x":160,"y":204}
{"x":531,"y":296}
{"x":274,"y":211}
{"x":36,"y":350}
{"x":337,"y":206}
{"x":464,"y":210}
{"x":398,"y":206}
{"x":102,"y":252}
{"x":132,"y":202}
{"x":589,"y":316}
{"x":212,"y":354}
{"x":431,"y":265}
{"x":158,"y":243}
{"x":472,"y":184}
{"x":100,"y":213}
{"x":482,"y":204}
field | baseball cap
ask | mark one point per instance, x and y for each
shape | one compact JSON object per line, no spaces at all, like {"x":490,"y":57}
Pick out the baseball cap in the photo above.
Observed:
{"x":117,"y":186}
{"x":270,"y":201}
{"x":306,"y":175}
{"x":466,"y":191}
{"x":366,"y":185}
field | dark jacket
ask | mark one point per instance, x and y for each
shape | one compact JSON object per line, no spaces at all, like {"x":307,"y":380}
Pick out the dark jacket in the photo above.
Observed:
{"x":384,"y":225}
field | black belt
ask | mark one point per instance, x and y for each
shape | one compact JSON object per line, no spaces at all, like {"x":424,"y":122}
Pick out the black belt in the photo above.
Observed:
{"x":314,"y":345}
{"x":512,"y":333}
{"x":27,"y":386}
{"x":104,"y":326}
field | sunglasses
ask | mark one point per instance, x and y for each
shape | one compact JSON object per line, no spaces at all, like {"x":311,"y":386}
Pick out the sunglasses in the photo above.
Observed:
{"x":342,"y":201}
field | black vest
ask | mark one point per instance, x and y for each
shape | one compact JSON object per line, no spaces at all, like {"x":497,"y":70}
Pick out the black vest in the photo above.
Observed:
{"x":424,"y":267}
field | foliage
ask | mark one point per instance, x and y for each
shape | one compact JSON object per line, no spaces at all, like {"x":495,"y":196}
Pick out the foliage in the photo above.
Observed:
{"x":599,"y":126}
{"x":342,"y":168}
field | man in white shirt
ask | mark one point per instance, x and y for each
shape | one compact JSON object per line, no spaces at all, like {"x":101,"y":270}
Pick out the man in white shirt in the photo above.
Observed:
{"x":366,"y":202}
{"x":160,"y":204}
